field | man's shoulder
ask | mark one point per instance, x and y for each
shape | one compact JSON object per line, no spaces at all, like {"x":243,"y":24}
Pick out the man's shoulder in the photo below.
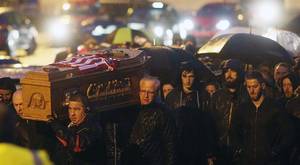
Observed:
{"x":272,"y":104}
{"x":89,"y":123}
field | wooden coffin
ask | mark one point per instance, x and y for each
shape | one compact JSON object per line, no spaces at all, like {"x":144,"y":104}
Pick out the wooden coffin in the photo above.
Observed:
{"x":46,"y":92}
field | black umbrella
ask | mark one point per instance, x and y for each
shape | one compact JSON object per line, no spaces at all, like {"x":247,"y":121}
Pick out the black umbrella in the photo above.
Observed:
{"x":165,"y":63}
{"x":249,"y":48}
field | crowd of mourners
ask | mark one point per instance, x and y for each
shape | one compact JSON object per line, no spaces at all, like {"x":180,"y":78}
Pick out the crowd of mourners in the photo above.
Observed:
{"x":244,"y":118}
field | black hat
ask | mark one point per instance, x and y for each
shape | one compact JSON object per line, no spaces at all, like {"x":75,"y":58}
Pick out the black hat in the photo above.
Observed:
{"x":233,"y":64}
{"x":7,"y":83}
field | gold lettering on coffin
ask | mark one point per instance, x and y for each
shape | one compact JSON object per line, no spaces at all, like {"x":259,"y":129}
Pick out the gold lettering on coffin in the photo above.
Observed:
{"x":111,"y":88}
{"x":37,"y":101}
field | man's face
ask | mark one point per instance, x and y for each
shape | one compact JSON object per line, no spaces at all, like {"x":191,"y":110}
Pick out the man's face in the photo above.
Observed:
{"x":230,"y":76}
{"x":211,"y":89}
{"x":6,"y":95}
{"x":287,"y":87}
{"x":76,"y":112}
{"x":280,"y":72}
{"x":167,"y":88}
{"x":18,"y":103}
{"x":187,"y":79}
{"x":147,"y":92}
{"x":254,"y":89}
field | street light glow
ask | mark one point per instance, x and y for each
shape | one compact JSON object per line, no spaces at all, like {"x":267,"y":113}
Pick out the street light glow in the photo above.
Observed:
{"x":223,"y":24}
{"x":265,"y":12}
{"x":157,"y":5}
{"x":66,"y":6}
{"x":188,"y":24}
{"x":159,"y":31}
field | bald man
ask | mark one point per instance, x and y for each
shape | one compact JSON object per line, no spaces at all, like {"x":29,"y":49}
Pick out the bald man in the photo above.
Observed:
{"x":18,"y":102}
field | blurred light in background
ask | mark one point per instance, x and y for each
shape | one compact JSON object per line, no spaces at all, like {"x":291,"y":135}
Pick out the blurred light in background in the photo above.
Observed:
{"x":223,"y":24}
{"x":168,"y":42}
{"x":187,"y":24}
{"x":66,"y":19}
{"x":136,"y":26}
{"x":17,"y":65}
{"x":66,"y":6}
{"x":169,"y":33}
{"x":99,"y":30}
{"x":265,"y":12}
{"x":15,"y":34}
{"x":130,"y":11}
{"x":240,"y":17}
{"x":175,"y":28}
{"x":182,"y":33}
{"x":58,"y":29}
{"x":158,"y":31}
{"x":157,"y":5}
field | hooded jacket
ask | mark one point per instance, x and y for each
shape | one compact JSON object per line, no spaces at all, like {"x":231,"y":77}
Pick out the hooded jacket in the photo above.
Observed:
{"x":224,"y":103}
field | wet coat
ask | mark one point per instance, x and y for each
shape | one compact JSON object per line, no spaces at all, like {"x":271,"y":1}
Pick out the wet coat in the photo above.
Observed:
{"x":177,"y":99}
{"x":261,"y":136}
{"x":152,"y":140}
{"x":222,"y":107}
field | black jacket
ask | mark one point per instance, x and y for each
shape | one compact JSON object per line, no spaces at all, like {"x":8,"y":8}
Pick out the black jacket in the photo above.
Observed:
{"x":222,"y":107}
{"x":83,"y":143}
{"x":117,"y":126}
{"x":261,"y":136}
{"x":177,"y":99}
{"x":293,"y":107}
{"x":152,"y":140}
{"x":196,"y":136}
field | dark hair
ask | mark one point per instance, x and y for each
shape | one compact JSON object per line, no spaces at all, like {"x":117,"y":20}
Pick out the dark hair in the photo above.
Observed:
{"x":212,"y":82}
{"x":255,"y":75}
{"x":293,"y":78}
{"x":233,"y":64}
{"x":7,"y":83}
{"x":189,"y":67}
{"x":78,"y":97}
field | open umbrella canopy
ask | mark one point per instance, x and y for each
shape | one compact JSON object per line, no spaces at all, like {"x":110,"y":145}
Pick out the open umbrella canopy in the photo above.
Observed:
{"x":287,"y":39}
{"x":249,"y":48}
{"x":123,"y":35}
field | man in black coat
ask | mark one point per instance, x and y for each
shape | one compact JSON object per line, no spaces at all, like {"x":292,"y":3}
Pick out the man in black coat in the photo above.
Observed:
{"x":196,"y":134}
{"x":223,"y":105}
{"x":152,"y":140}
{"x":82,"y":140}
{"x":261,"y":134}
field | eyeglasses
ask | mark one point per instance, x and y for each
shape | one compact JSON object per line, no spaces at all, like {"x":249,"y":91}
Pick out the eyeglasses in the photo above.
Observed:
{"x":144,"y":92}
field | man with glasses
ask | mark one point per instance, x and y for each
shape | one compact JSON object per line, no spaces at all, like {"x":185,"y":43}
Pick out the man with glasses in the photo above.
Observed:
{"x":153,"y":135}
